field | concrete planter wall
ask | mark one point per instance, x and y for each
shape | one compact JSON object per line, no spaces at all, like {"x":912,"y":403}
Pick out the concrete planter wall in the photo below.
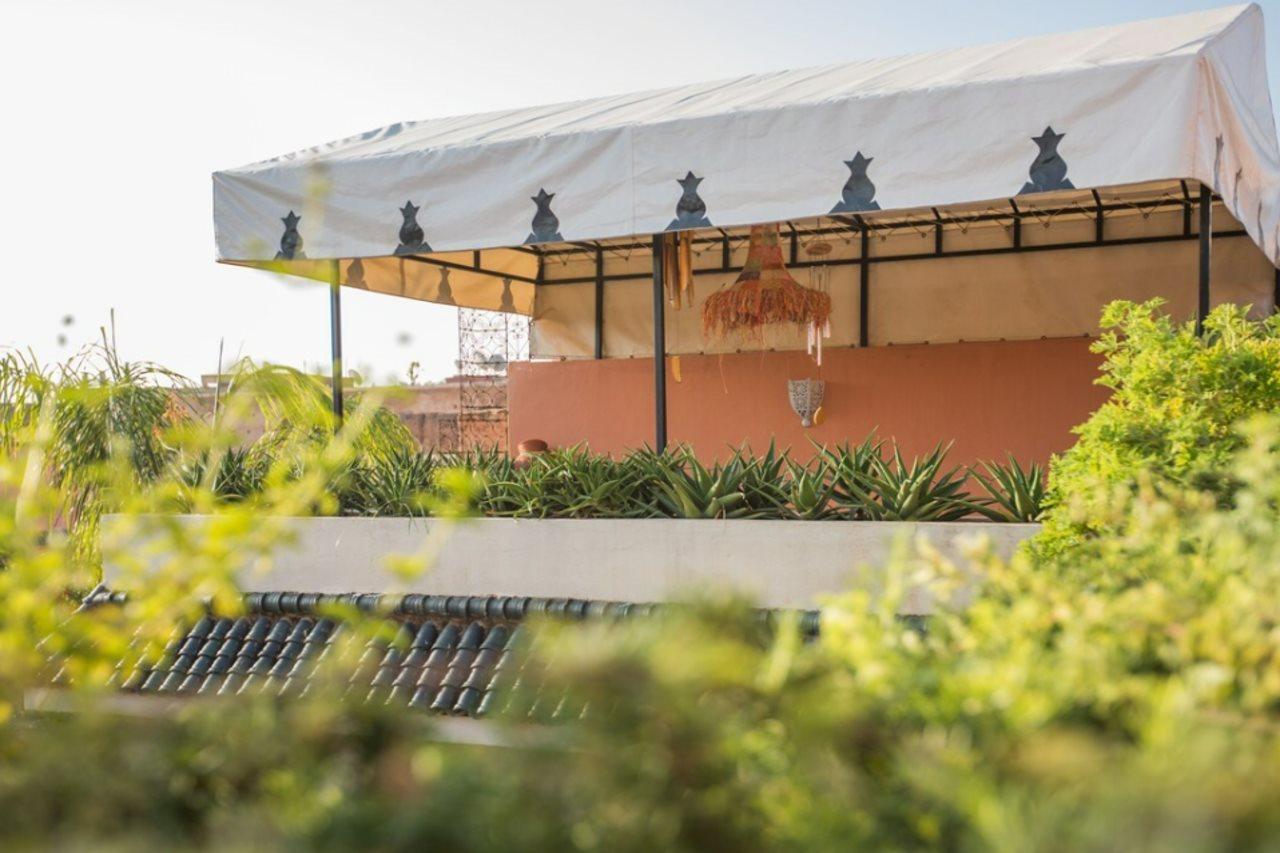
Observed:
{"x":780,"y":563}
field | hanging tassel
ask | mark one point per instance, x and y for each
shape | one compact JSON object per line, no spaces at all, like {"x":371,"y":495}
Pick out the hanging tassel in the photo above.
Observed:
{"x":685,"y":266}
{"x":670,"y":270}
{"x":675,"y":368}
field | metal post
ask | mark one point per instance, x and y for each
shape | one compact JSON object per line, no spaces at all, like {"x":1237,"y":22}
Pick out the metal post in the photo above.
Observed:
{"x":864,"y":286}
{"x":335,"y":340}
{"x":1186,"y":209}
{"x":1099,"y":221}
{"x":599,"y":303}
{"x":659,"y":346}
{"x":1206,"y":250}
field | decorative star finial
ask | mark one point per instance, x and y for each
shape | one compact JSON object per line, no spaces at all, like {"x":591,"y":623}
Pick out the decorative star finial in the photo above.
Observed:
{"x":410,"y":209}
{"x":291,"y":221}
{"x":1048,"y":139}
{"x":543,"y":198}
{"x":858,"y":163}
{"x":689,"y":183}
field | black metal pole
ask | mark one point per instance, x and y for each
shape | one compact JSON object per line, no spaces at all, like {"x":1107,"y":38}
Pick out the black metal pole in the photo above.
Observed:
{"x":1186,"y":209}
{"x":1206,"y":251}
{"x":599,"y":303}
{"x":659,"y":346}
{"x":335,"y":341}
{"x":864,"y":287}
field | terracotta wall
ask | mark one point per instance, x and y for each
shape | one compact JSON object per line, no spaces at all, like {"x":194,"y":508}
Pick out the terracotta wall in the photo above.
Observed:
{"x":1018,"y":396}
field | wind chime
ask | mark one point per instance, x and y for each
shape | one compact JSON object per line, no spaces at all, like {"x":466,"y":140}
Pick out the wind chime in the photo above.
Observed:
{"x":820,"y":282}
{"x":765,"y":294}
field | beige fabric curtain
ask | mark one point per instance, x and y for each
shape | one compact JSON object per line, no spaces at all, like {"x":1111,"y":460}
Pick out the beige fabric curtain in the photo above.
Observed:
{"x":439,"y":277}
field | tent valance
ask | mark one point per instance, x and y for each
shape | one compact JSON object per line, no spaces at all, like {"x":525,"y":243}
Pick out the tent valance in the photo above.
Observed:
{"x":1179,"y":97}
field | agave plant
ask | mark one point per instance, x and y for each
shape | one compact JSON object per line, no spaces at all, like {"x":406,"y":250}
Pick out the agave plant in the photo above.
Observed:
{"x":922,"y":490}
{"x":848,"y":468}
{"x":398,"y":482}
{"x":690,"y":489}
{"x":1017,"y":493}
{"x":240,"y":473}
{"x":572,"y":483}
{"x":808,"y":492}
{"x":763,"y":479}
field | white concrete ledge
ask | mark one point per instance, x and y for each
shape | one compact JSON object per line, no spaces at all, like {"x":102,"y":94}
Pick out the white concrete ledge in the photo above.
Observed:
{"x":779,"y":563}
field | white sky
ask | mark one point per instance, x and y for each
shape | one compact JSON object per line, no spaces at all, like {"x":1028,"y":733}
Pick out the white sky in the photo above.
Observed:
{"x":115,"y":112}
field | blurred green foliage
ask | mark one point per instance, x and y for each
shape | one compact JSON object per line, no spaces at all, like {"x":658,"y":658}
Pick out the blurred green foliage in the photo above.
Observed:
{"x":1119,"y":692}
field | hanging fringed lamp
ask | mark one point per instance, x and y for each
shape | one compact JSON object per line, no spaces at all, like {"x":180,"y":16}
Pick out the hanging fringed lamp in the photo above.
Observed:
{"x":765,"y":294}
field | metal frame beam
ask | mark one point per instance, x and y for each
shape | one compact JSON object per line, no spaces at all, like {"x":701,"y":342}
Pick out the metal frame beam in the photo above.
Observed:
{"x":1015,"y":213}
{"x":924,"y":256}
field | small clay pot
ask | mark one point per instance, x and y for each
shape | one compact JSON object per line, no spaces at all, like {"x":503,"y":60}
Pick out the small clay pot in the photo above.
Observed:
{"x":527,"y":449}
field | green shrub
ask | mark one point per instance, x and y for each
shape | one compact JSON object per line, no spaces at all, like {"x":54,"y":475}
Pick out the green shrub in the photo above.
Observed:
{"x":1125,"y":698}
{"x":1130,"y":700}
{"x":1177,"y":400}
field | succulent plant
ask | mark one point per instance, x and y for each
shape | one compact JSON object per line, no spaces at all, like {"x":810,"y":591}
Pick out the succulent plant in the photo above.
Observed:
{"x":922,"y":490}
{"x":1017,"y":493}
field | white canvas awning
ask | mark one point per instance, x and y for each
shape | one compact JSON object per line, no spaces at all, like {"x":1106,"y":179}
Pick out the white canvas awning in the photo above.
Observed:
{"x":1183,"y":97}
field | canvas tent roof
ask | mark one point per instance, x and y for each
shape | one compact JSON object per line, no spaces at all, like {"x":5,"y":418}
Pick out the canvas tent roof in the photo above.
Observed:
{"x":1179,"y":97}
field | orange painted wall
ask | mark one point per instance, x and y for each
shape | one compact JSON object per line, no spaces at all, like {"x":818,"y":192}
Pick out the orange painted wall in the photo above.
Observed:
{"x":1017,"y":396}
